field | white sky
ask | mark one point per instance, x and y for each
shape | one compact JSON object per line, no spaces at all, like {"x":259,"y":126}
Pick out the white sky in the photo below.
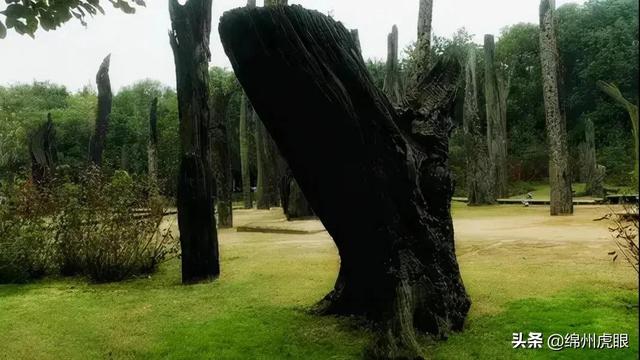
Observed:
{"x":140,"y":47}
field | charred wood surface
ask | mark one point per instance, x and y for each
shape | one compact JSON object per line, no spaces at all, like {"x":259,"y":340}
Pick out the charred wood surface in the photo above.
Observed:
{"x":343,"y":139}
{"x":189,"y":38}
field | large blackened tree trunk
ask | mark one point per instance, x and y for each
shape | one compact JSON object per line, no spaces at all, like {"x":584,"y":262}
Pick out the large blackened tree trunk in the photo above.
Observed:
{"x":479,"y":177}
{"x":559,"y":175}
{"x":392,"y":86}
{"x":343,"y":139}
{"x":105,"y":98}
{"x":189,"y":37}
{"x":42,"y":150}
{"x":245,"y":162}
{"x":496,"y":120}
{"x":221,"y":158}
{"x":152,"y":150}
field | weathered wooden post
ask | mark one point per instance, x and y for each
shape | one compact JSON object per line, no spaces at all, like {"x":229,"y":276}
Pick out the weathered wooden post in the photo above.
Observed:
{"x":559,"y":176}
{"x":189,"y":38}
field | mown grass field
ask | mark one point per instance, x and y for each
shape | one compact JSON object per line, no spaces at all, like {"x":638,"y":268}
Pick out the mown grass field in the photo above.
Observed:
{"x":524,"y":271}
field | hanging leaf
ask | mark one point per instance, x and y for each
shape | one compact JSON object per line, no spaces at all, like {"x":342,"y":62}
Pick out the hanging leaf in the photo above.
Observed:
{"x":3,"y":31}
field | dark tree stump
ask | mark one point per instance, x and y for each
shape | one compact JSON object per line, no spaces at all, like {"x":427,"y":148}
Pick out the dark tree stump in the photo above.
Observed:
{"x":105,"y":99}
{"x":189,"y":38}
{"x":378,"y":178}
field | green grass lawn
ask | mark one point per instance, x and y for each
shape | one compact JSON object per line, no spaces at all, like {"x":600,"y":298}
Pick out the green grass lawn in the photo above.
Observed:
{"x":258,"y":309}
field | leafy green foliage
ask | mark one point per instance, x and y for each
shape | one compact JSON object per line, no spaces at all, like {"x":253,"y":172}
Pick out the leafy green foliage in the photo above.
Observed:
{"x":599,"y":41}
{"x":26,"y":236}
{"x":110,"y":230}
{"x":26,"y":16}
{"x":106,"y":229}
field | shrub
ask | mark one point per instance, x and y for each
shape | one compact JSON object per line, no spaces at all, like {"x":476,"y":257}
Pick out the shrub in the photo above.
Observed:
{"x":106,"y":229}
{"x":26,"y":250}
{"x":111,"y":230}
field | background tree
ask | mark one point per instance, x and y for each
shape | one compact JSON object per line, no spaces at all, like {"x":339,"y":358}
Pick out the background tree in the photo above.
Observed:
{"x":632,"y":109}
{"x":479,"y":177}
{"x":425,"y":17}
{"x":593,"y":176}
{"x":598,"y":41}
{"x":392,"y":86}
{"x":189,"y":38}
{"x":105,"y":100}
{"x":245,"y":115}
{"x":223,"y":86}
{"x":495,"y":100}
{"x":559,"y":175}
{"x":519,"y":47}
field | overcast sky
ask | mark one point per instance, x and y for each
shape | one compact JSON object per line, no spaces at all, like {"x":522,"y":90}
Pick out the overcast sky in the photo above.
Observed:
{"x":140,"y":48}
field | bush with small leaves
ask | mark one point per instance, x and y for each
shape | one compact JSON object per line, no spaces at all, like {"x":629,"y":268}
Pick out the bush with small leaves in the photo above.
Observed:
{"x":110,"y":230}
{"x":26,"y":249}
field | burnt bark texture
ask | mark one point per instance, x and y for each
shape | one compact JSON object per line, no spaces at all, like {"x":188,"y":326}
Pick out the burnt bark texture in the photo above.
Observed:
{"x":559,"y":172}
{"x":392,"y":84}
{"x":42,"y":150}
{"x":221,"y":157}
{"x":479,"y":171}
{"x":189,"y":38}
{"x":343,"y":139}
{"x":105,"y":99}
{"x":495,"y":102}
{"x":152,"y":149}
{"x":245,"y":157}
